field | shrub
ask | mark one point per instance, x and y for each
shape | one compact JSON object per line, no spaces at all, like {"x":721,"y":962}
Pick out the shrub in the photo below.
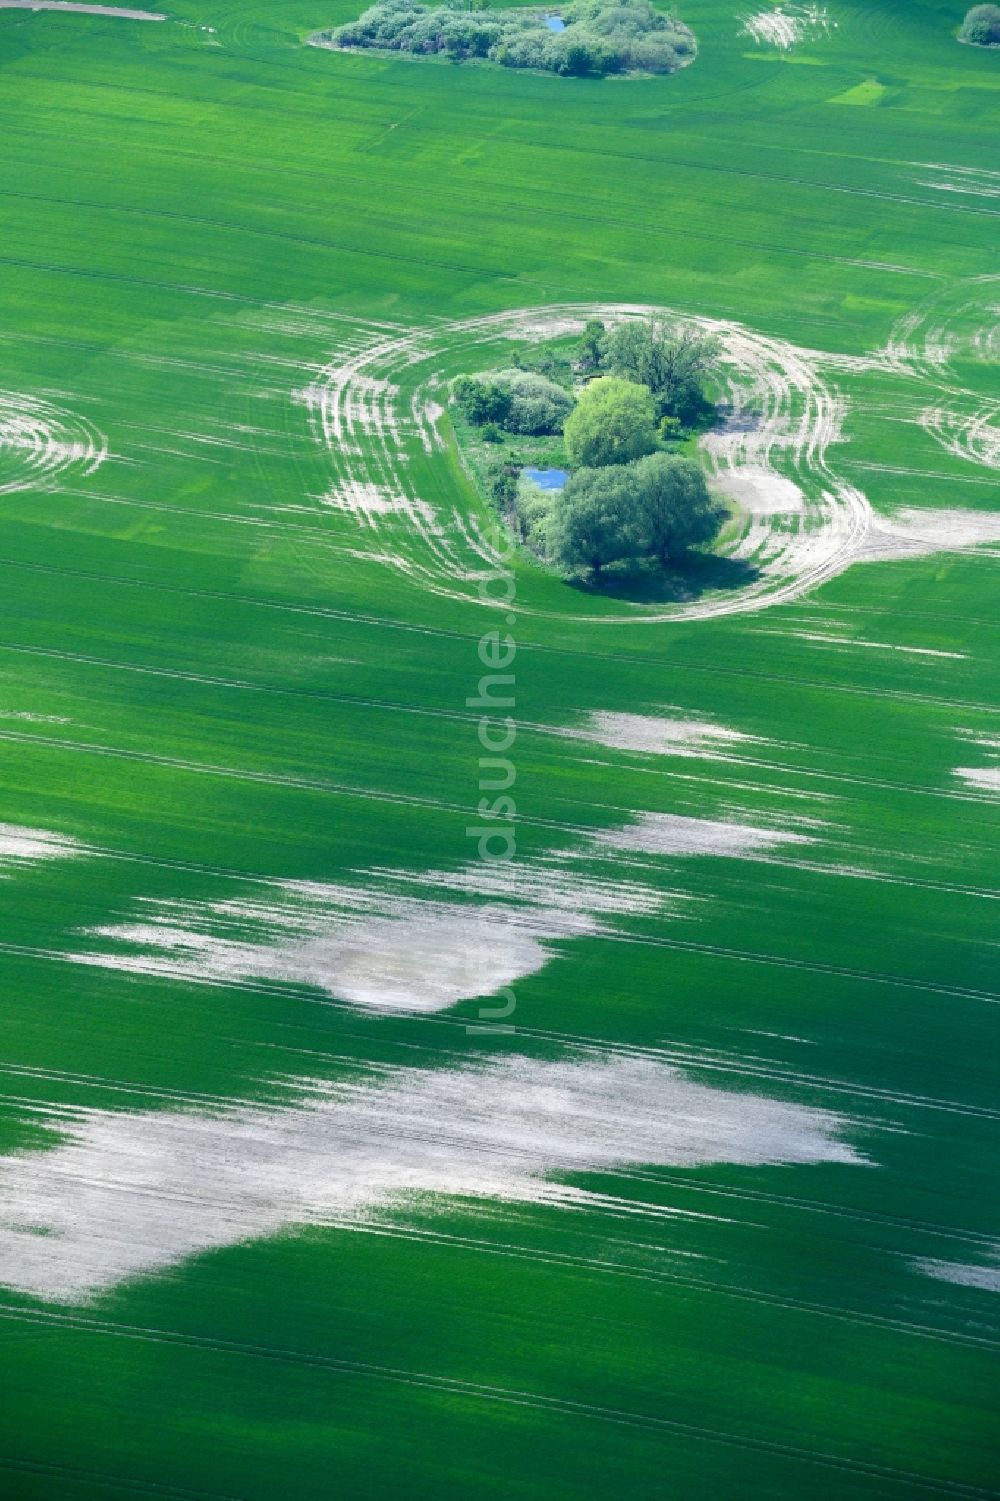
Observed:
{"x":502,"y":480}
{"x":534,"y":510}
{"x":982,"y":26}
{"x":537,"y":404}
{"x":613,"y":422}
{"x":518,"y":400}
{"x":483,"y":401}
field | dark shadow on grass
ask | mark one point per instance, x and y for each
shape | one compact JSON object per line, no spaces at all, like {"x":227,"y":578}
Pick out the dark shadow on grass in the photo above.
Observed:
{"x":647,"y":584}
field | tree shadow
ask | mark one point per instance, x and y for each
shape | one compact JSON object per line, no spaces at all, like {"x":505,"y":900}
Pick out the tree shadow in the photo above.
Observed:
{"x":648,"y":584}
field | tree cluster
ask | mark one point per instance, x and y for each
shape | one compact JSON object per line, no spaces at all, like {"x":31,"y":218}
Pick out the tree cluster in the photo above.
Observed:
{"x":599,"y":36}
{"x":982,"y":26}
{"x":656,"y":507}
{"x":627,"y":499}
{"x":520,"y":401}
{"x":671,"y":362}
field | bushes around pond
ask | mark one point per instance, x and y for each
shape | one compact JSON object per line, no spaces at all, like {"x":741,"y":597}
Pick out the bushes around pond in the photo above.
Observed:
{"x":599,"y":37}
{"x":627,"y":500}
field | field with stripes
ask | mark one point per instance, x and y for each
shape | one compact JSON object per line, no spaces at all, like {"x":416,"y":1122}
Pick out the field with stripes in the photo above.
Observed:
{"x":354,"y":1141}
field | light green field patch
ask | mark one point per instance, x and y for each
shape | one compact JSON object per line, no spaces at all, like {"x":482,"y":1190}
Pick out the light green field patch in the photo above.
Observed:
{"x":870,"y":91}
{"x":786,"y":57}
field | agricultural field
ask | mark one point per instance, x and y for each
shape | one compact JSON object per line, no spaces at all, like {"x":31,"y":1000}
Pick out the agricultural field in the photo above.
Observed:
{"x":366,"y":1135}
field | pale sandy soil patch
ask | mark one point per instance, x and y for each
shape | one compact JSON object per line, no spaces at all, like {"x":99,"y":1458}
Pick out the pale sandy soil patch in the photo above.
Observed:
{"x":986,"y":778}
{"x":402,"y":941}
{"x":783,"y":27}
{"x":977,"y":182}
{"x":18,"y":843}
{"x":553,"y":883}
{"x":126,"y":1195}
{"x":656,"y":735}
{"x":675,"y":834}
{"x":967,"y":431}
{"x":425,"y":959}
{"x":88,"y":10}
{"x":758,"y":491}
{"x":371,"y":502}
{"x":965,"y":1274}
{"x":27,"y":716}
{"x":913,"y":532}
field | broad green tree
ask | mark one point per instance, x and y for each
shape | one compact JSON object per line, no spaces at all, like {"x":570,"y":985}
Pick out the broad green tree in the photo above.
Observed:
{"x":593,"y":520}
{"x":674,"y":509}
{"x":673,"y":363}
{"x":657,"y":507}
{"x":613,"y":422}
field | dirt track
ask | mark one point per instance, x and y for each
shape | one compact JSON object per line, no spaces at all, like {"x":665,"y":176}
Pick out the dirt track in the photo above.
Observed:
{"x":89,"y":10}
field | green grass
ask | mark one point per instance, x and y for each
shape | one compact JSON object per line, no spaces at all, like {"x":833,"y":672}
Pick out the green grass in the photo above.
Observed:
{"x":184,"y":214}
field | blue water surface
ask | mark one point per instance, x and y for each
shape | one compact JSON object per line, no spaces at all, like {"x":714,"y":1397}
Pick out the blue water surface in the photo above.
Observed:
{"x":547,"y":479}
{"x":555,"y":23}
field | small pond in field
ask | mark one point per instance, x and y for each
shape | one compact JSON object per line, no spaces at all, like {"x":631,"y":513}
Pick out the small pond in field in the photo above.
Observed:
{"x":547,"y":479}
{"x":555,"y":23}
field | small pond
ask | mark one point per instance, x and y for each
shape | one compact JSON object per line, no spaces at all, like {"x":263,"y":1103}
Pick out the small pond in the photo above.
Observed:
{"x":555,"y":23}
{"x":547,"y":479}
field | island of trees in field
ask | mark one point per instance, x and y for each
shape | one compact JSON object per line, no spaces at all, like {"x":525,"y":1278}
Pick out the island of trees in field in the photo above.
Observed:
{"x":981,"y":26}
{"x":631,"y":497}
{"x":589,"y":37}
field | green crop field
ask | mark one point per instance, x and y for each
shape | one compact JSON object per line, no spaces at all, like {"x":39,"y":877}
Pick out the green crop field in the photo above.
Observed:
{"x":339,"y":1155}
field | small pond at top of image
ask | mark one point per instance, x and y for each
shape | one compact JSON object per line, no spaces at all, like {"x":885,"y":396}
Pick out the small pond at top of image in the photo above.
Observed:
{"x":547,"y":479}
{"x":555,"y":23}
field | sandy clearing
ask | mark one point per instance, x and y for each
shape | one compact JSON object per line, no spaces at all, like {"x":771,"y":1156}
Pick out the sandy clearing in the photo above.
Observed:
{"x":775,"y":27}
{"x":26,"y":715}
{"x":760,"y":492}
{"x":913,"y":532}
{"x":783,"y":28}
{"x":423,"y":961}
{"x":978,"y":182}
{"x":656,"y":735}
{"x":371,"y":502}
{"x":125,"y":1195}
{"x":22,"y":844}
{"x":396,"y":940}
{"x":88,"y":10}
{"x":986,"y":778}
{"x":965,"y":1274}
{"x":675,"y":834}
